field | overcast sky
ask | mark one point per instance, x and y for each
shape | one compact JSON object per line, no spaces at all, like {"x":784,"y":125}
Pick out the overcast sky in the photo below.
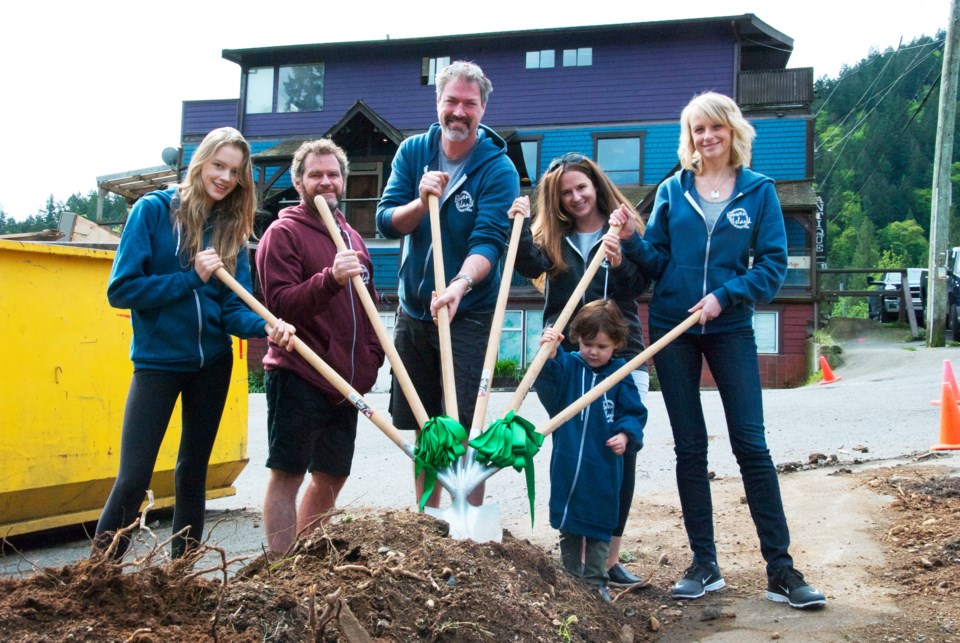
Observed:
{"x":95,"y":88}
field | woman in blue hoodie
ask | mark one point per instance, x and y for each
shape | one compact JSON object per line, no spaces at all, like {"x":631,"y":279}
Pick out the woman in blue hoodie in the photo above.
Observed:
{"x":173,"y":242}
{"x":716,"y":242}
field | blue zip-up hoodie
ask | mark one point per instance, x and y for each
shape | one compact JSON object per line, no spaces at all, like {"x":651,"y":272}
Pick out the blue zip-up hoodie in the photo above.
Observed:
{"x":585,"y":475}
{"x":473,"y":218}
{"x":688,"y":261}
{"x":179,"y":322}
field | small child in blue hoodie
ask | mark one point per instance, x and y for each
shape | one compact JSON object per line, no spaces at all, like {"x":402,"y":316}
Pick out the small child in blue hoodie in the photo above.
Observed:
{"x":586,"y":465}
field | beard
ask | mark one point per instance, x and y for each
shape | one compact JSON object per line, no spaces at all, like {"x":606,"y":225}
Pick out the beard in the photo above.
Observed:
{"x":456,"y":134}
{"x":333,"y":202}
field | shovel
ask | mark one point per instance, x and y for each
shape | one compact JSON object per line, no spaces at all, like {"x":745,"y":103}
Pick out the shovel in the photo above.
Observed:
{"x":524,"y":443}
{"x":445,"y":477}
{"x":593,"y":394}
{"x":480,"y":524}
{"x":541,"y":358}
{"x":459,"y":516}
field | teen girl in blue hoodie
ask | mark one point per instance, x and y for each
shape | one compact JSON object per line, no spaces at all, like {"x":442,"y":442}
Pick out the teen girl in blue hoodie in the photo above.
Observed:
{"x":173,"y":242}
{"x":715,"y":242}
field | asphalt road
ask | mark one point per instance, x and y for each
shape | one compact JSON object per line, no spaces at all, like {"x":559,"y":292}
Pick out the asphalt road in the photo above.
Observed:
{"x":880,"y":409}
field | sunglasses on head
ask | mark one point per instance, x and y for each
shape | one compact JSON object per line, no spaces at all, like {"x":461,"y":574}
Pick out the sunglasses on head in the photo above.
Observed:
{"x":569,"y":157}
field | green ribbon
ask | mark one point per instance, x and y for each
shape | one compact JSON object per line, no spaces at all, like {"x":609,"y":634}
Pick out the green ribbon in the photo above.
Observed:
{"x":511,"y":442}
{"x":439,"y":444}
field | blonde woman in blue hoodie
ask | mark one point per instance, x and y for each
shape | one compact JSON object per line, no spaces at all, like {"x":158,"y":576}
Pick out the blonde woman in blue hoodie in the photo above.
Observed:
{"x":173,"y":242}
{"x":716,"y":242}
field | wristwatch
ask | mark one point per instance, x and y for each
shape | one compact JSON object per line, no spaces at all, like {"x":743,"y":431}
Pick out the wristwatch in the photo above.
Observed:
{"x":467,"y":278}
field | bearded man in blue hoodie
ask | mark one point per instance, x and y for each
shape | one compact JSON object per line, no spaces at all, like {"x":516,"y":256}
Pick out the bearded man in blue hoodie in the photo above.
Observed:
{"x":465,"y":165}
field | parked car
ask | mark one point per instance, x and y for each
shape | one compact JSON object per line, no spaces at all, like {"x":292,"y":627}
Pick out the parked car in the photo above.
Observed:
{"x":885,"y":307}
{"x":953,"y":294}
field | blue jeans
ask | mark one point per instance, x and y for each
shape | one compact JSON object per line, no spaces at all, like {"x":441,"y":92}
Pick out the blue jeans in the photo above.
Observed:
{"x":732,"y":358}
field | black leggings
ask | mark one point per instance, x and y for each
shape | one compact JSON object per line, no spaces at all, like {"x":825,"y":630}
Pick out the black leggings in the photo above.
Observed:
{"x":150,"y":404}
{"x":626,"y":490}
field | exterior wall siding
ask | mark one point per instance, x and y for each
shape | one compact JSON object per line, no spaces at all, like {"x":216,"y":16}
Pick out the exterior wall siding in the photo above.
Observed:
{"x":655,"y":78}
{"x":787,"y":369}
{"x":779,"y":150}
{"x":200,"y":116}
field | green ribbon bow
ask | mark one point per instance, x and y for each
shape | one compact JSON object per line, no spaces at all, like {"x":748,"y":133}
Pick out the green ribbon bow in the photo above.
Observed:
{"x":439,"y":445}
{"x":511,"y":442}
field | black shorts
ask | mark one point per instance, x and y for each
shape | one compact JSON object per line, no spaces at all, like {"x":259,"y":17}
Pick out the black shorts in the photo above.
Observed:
{"x":418,"y":344}
{"x":305,"y":432}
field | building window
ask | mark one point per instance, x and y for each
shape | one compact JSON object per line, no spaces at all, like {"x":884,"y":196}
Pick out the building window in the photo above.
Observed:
{"x":543,"y":59}
{"x":259,"y":90}
{"x":621,"y":158}
{"x":799,"y":251}
{"x":520,"y":336}
{"x":299,"y":88}
{"x":525,"y":154}
{"x":766,"y":326}
{"x":582,"y":57}
{"x":429,"y":68}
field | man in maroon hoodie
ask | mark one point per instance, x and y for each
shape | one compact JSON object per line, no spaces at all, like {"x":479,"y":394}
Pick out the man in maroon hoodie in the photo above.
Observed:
{"x":306,"y":282}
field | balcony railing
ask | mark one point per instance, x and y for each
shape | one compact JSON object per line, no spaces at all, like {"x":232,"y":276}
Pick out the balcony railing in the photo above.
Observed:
{"x":775,"y":89}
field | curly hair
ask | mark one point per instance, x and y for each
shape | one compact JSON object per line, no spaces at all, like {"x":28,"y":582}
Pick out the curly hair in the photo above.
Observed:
{"x":551,"y":223}
{"x":231,"y":218}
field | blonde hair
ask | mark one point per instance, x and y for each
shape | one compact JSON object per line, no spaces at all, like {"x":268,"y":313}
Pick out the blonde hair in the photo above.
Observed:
{"x":231,"y":218}
{"x":715,"y":108}
{"x":551,"y":223}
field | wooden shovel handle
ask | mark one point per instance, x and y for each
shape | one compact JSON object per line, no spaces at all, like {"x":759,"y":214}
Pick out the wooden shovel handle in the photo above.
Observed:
{"x":496,"y":326}
{"x":443,"y":315}
{"x":590,"y":396}
{"x":545,"y":349}
{"x":399,"y":370}
{"x":317,"y":363}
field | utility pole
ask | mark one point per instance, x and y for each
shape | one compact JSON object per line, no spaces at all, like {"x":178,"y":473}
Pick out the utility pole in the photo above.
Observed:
{"x":936,"y":312}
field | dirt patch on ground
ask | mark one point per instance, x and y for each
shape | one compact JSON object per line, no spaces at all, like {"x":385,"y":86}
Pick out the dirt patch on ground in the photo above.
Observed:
{"x":922,"y":542}
{"x":396,"y":576}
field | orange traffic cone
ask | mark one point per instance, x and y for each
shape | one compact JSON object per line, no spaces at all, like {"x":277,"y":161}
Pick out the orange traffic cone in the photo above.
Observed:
{"x":949,"y":422}
{"x":828,"y":376}
{"x":948,"y":378}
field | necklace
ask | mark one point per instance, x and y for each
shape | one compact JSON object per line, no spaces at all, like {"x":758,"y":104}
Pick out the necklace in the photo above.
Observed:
{"x":715,"y":190}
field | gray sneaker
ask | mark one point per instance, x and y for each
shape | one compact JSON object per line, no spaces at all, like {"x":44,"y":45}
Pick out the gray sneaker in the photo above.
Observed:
{"x":699,"y":579}
{"x":786,"y":585}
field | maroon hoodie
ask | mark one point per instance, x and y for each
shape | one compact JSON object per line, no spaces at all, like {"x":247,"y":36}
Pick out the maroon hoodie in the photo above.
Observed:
{"x":295,"y":267}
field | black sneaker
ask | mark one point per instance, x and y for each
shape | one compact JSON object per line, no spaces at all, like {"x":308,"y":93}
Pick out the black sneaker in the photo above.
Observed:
{"x":620,"y":576}
{"x":786,"y":585}
{"x":604,"y":593}
{"x":699,"y":579}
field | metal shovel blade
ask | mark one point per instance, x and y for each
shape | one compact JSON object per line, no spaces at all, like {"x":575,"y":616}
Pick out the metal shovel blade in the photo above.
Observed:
{"x":479,"y":524}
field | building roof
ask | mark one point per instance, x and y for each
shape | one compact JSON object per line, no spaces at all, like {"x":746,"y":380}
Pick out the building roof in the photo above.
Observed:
{"x":133,"y":184}
{"x":753,"y":33}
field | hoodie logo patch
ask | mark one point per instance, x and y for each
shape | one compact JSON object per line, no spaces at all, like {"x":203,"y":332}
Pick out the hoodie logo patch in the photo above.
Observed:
{"x":464,"y":202}
{"x":365,"y":274}
{"x":608,"y":408}
{"x":739,"y":219}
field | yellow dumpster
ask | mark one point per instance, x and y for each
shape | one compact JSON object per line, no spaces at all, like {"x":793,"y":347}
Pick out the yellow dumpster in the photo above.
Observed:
{"x":66,"y":372}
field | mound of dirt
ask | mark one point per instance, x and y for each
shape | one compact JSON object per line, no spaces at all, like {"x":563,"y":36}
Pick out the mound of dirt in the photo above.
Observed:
{"x":923,"y":550}
{"x":393,"y":576}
